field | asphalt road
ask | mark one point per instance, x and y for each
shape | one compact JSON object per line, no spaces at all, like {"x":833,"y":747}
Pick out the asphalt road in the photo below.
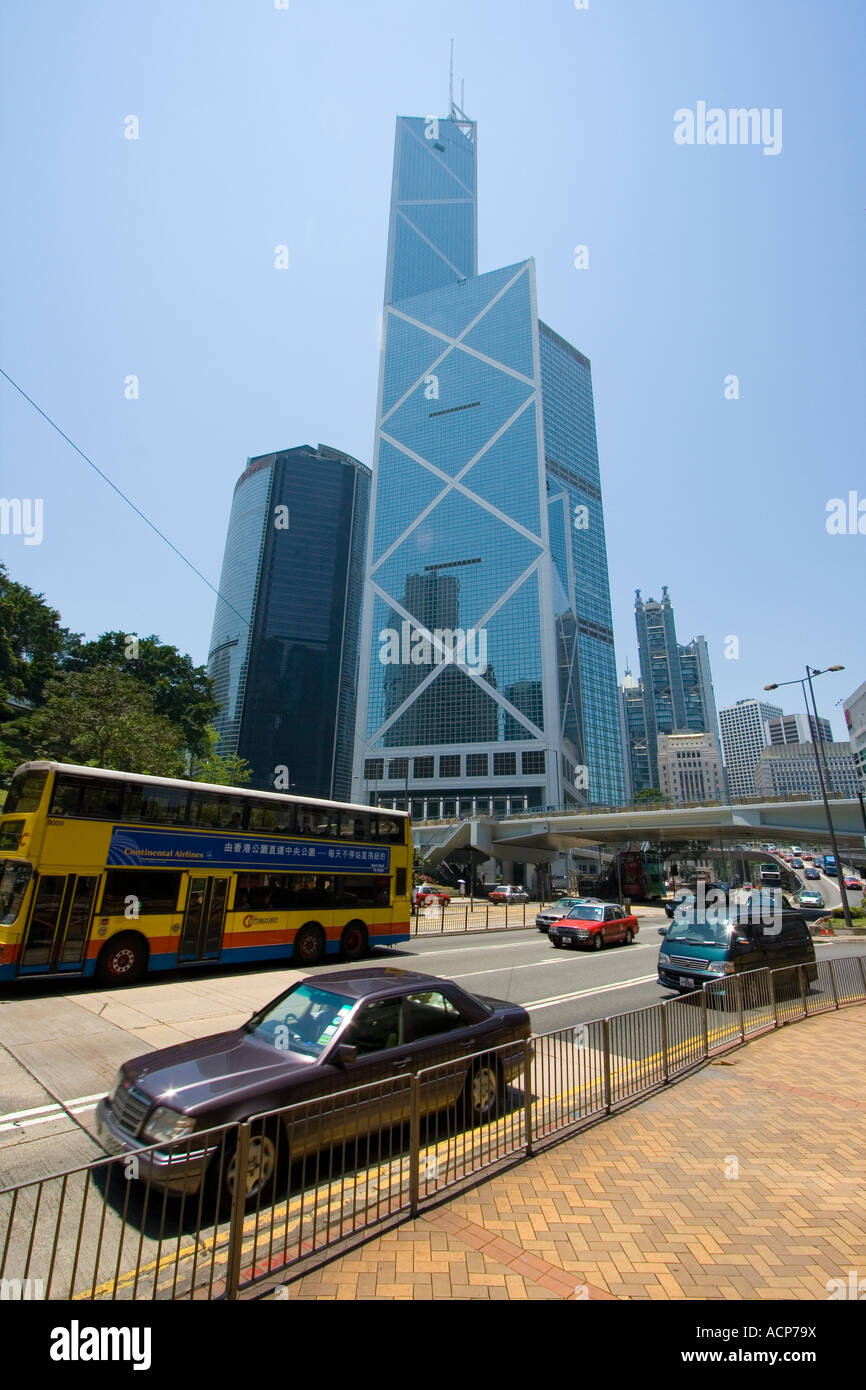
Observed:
{"x":61,"y":1049}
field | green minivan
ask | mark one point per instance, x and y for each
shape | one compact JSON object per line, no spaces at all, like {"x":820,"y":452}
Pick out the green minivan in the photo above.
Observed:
{"x":737,"y":932}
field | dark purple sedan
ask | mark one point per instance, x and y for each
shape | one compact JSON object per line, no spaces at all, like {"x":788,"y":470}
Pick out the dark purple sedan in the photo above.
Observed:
{"x":324,"y":1036}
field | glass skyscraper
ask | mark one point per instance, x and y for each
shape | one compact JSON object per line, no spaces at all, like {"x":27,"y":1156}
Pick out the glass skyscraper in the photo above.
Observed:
{"x":284,"y":649}
{"x":676,"y":687}
{"x":487,"y":674}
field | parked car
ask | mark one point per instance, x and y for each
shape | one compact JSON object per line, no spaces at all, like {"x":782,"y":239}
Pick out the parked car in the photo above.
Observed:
{"x":758,"y":929}
{"x":317,"y":1039}
{"x":425,"y":895}
{"x":594,"y":925}
{"x":509,"y":893}
{"x":811,"y":873}
{"x":851,"y":881}
{"x":557,"y":911}
{"x":810,"y":897}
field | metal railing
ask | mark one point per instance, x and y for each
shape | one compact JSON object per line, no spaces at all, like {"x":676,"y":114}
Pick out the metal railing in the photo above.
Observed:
{"x":231,"y":1211}
{"x":472,"y":915}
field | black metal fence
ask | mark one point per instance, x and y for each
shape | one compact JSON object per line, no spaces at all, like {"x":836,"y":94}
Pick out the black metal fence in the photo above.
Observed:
{"x":255,"y":1201}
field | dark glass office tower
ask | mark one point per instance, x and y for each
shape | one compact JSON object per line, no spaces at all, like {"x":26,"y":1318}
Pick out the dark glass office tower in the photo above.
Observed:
{"x":676,"y":685}
{"x":284,"y":650}
{"x":487,"y":674}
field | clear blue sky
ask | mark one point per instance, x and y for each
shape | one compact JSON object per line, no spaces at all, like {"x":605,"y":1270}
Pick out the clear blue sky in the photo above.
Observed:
{"x":261,"y":126}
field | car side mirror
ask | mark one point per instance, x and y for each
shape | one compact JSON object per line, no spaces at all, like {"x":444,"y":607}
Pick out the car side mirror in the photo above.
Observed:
{"x":345,"y":1055}
{"x":663,"y":931}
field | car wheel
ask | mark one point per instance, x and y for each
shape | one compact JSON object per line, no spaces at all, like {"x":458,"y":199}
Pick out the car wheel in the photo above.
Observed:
{"x":483,"y":1093}
{"x":309,"y":945}
{"x":557,"y":945}
{"x":263,"y":1163}
{"x":629,"y":937}
{"x":354,"y":941}
{"x":598,"y":941}
{"x":122,"y":960}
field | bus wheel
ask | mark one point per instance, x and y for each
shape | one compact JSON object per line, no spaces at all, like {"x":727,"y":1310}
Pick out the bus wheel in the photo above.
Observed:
{"x":309,"y":945}
{"x":122,"y":960}
{"x":353,"y":942}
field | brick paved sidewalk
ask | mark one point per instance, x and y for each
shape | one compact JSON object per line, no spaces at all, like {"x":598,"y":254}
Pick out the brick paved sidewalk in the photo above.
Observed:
{"x":745,"y":1180}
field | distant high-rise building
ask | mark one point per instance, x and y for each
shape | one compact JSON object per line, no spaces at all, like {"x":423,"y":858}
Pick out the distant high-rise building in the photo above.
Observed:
{"x":634,"y":736}
{"x":677,"y":685}
{"x":284,"y":649}
{"x":691,"y":768}
{"x":855,"y":718}
{"x":788,"y":769}
{"x":797,"y":728}
{"x":743,"y":736}
{"x":487,"y":676}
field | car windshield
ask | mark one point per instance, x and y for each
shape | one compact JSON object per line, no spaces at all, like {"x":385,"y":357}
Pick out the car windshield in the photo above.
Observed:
{"x":699,"y":932}
{"x":563,"y":905}
{"x":721,"y":915}
{"x":584,"y":912}
{"x":304,"y":1020}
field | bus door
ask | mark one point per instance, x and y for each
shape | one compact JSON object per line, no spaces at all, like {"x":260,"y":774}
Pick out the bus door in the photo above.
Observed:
{"x":203,"y":919}
{"x":59,"y":923}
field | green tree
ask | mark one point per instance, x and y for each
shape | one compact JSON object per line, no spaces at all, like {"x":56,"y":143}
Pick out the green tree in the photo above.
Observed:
{"x":32,"y":641}
{"x":179,"y":691}
{"x":33,"y":644}
{"x":105,"y":718}
{"x":649,"y":794}
{"x":230,"y":771}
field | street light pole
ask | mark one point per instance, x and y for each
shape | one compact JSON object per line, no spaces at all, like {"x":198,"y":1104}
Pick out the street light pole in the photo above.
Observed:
{"x":810,"y":672}
{"x":818,"y":741}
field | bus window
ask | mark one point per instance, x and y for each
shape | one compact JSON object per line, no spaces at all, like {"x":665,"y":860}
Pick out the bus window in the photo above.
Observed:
{"x":14,"y":878}
{"x":364,"y":890}
{"x":316,"y":821}
{"x":391,"y":829}
{"x":154,"y":890}
{"x":162,"y":805}
{"x":25,"y":793}
{"x":10,"y":833}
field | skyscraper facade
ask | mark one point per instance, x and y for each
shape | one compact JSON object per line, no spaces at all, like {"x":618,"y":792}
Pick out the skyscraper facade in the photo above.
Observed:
{"x":284,"y":648}
{"x":797,"y":728}
{"x":744,"y":734}
{"x":677,"y":683}
{"x":487,"y":677}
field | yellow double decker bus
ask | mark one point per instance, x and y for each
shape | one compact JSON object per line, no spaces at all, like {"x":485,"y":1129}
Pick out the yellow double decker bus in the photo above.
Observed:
{"x":114,"y":875}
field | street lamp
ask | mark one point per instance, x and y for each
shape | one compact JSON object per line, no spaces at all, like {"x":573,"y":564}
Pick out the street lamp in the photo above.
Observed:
{"x":818,"y":742}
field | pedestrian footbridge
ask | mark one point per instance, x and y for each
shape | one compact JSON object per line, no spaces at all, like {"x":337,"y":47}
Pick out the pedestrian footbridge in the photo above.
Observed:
{"x":538,"y":836}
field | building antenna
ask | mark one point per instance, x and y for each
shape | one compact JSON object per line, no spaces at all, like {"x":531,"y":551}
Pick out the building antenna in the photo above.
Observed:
{"x":451,"y":83}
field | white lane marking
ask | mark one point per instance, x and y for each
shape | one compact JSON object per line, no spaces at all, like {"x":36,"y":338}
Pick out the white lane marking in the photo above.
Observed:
{"x":457,"y":950}
{"x":582,"y":993}
{"x":532,"y":965}
{"x":40,"y":1114}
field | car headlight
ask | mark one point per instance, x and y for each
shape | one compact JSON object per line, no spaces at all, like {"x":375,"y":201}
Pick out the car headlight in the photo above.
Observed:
{"x":719,"y":967}
{"x":166,"y":1125}
{"x":663,"y":959}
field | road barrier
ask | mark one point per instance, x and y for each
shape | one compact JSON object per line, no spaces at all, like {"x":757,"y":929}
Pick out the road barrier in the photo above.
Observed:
{"x":475,"y":915}
{"x":263,"y":1197}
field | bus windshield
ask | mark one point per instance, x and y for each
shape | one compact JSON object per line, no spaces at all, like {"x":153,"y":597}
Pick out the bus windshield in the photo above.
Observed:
{"x":25,"y":792}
